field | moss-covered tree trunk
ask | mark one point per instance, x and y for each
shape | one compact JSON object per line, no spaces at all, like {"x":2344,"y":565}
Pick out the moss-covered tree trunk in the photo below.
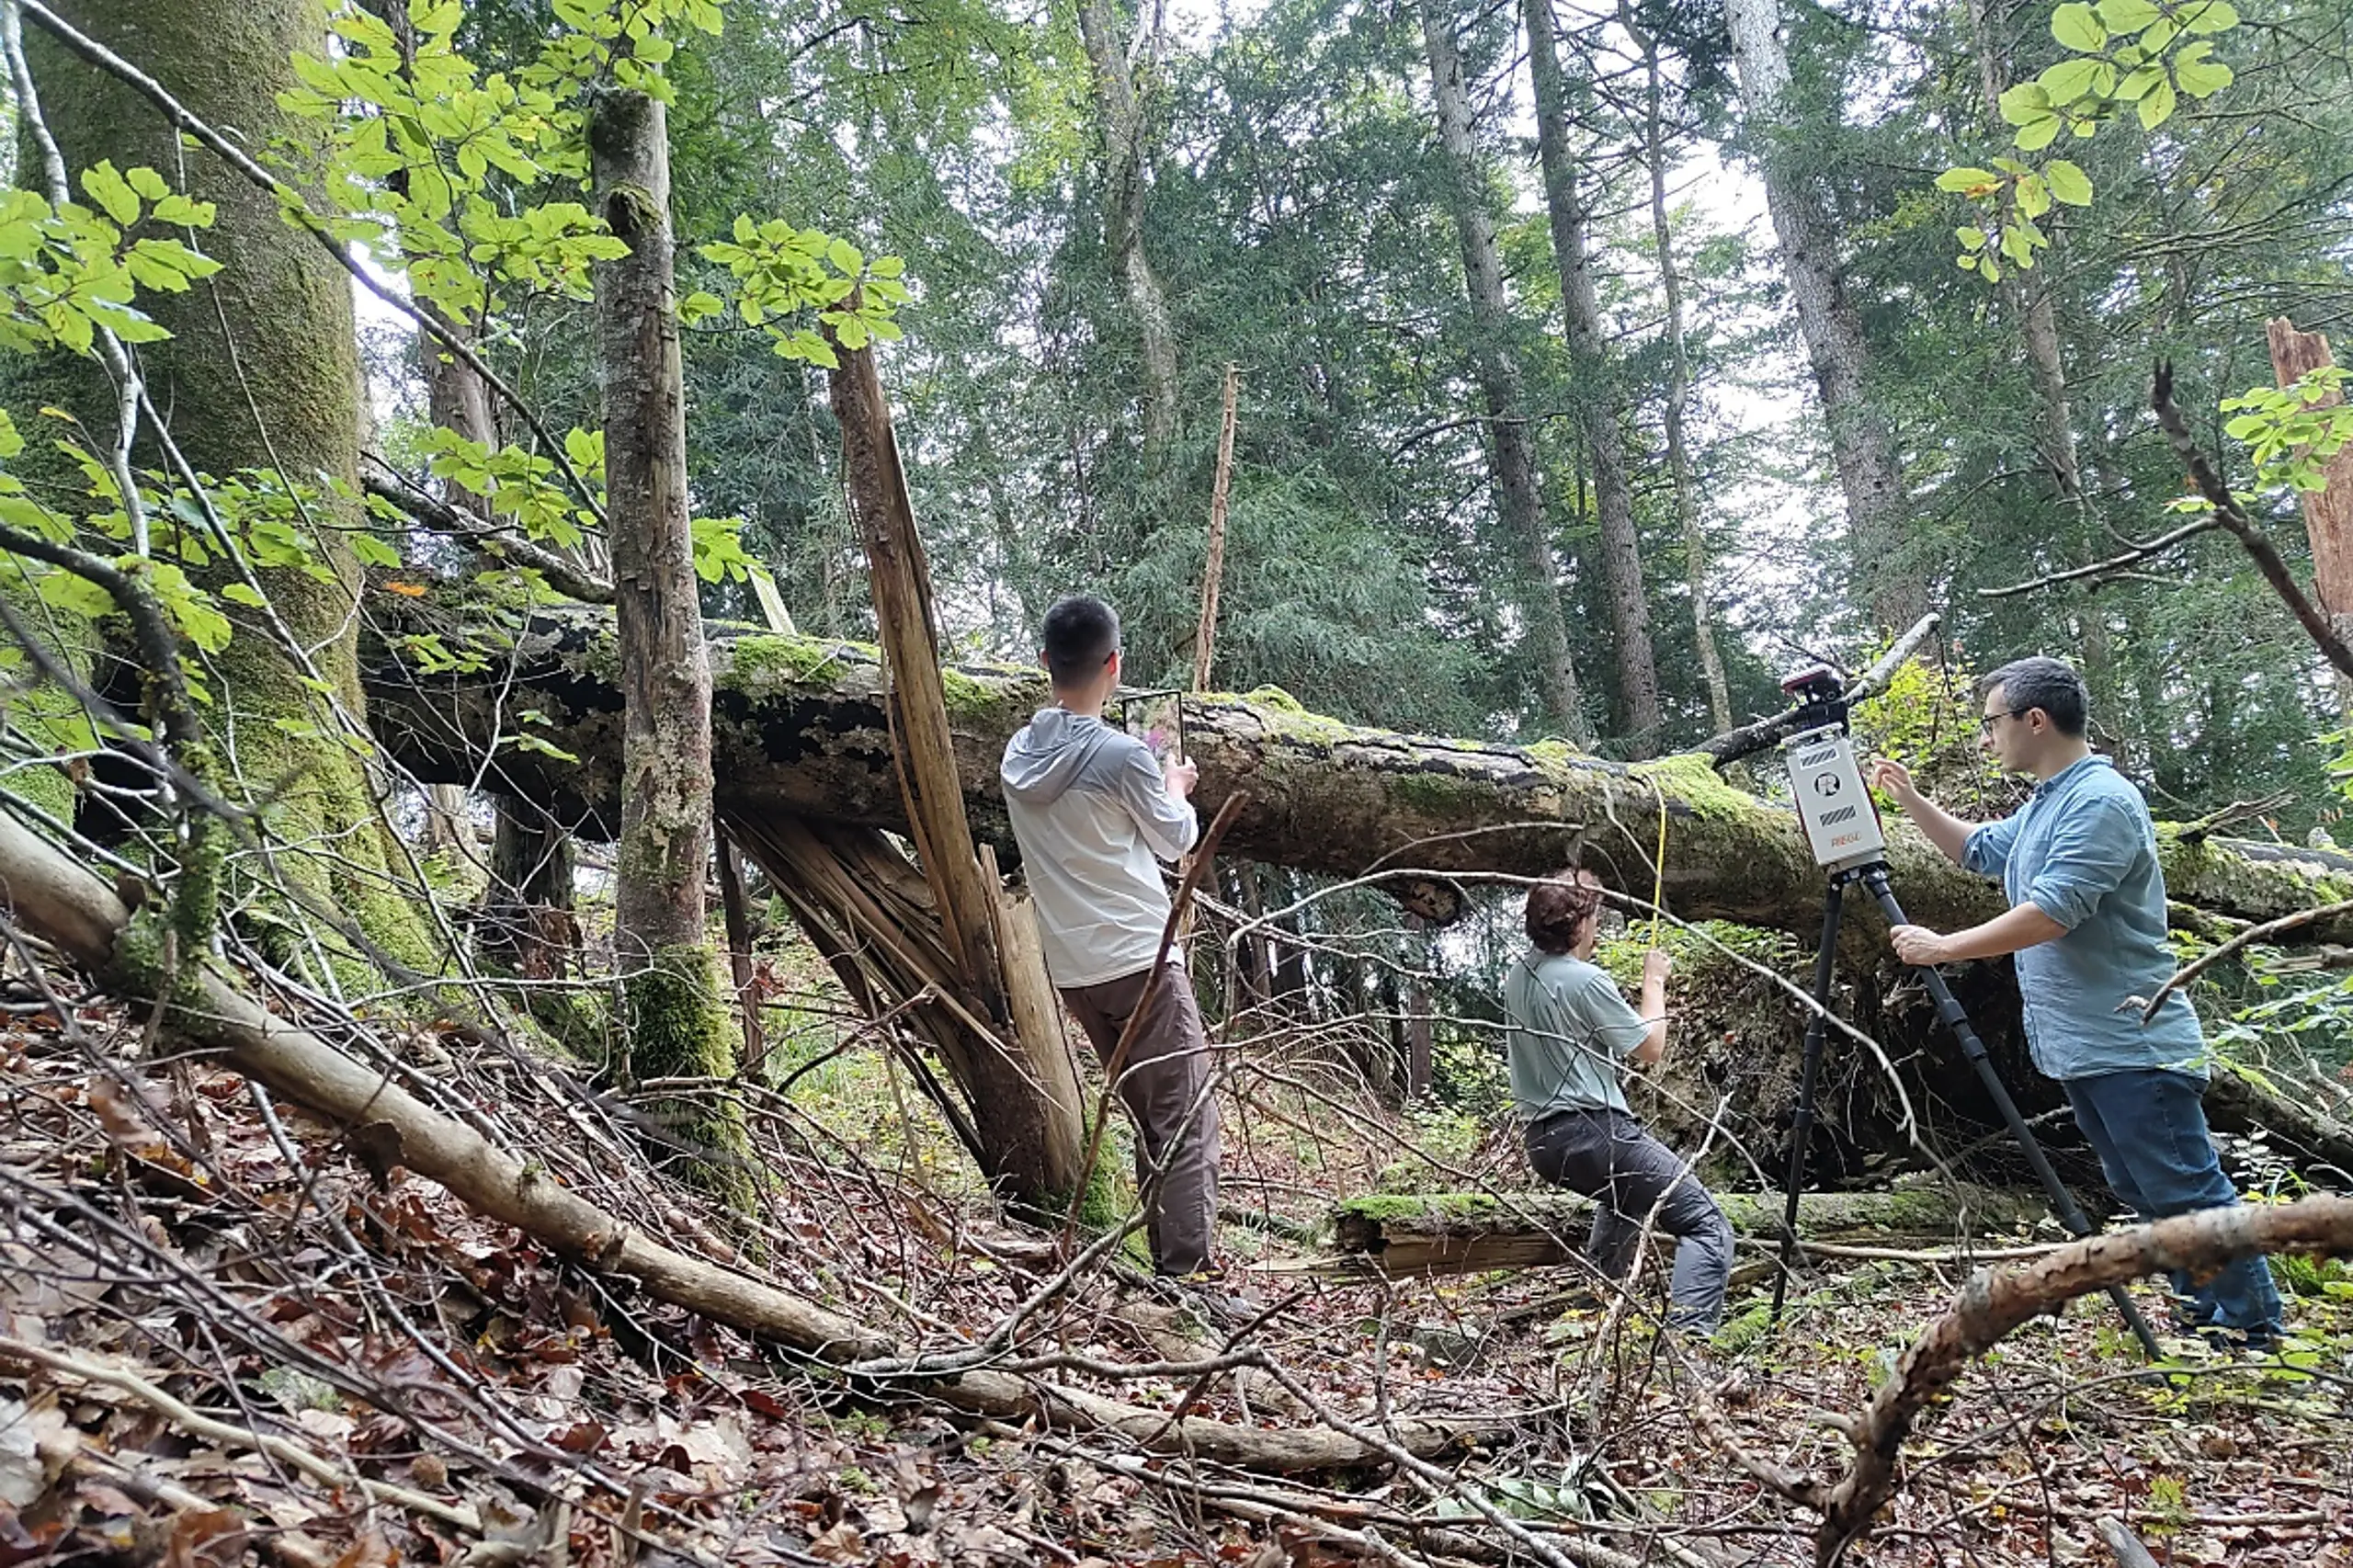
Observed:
{"x":261,"y":373}
{"x":801,"y":727}
{"x":676,"y":1022}
{"x":802,"y":732}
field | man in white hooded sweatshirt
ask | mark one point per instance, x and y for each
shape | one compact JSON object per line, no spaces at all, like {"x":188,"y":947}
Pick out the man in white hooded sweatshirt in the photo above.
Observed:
{"x":1091,"y":809}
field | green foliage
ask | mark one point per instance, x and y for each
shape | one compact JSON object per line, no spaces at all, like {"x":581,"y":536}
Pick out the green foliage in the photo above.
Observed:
{"x":67,"y":272}
{"x":782,"y":273}
{"x":1927,"y":719}
{"x":410,"y":173}
{"x":2147,"y":53}
{"x":2292,"y":432}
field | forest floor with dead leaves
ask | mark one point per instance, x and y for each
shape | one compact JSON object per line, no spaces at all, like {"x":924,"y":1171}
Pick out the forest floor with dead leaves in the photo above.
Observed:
{"x":228,"y":1334}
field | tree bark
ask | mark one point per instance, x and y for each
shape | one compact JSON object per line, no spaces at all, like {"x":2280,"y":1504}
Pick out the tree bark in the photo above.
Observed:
{"x":1600,"y":396}
{"x":2328,"y":511}
{"x":676,"y":1025}
{"x":1119,"y":109}
{"x":261,"y":373}
{"x":1027,"y":1107}
{"x":1510,"y":440}
{"x":1465,"y":1232}
{"x":1678,"y":387}
{"x":1890,"y":586}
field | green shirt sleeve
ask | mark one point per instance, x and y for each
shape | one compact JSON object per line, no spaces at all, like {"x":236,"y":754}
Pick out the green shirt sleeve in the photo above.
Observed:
{"x":1612,"y":1026}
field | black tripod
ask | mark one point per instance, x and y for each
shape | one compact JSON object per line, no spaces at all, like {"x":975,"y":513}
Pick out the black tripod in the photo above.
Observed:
{"x":1873,"y":875}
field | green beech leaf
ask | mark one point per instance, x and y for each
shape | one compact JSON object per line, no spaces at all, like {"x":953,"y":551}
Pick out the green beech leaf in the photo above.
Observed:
{"x":2127,"y":15}
{"x":2215,"y":16}
{"x":2157,"y":107}
{"x":2068,"y":183}
{"x":2198,"y":76}
{"x":104,"y":185}
{"x":2079,"y":78}
{"x":2078,"y":28}
{"x":2025,"y":103}
{"x":1970,"y":182}
{"x":2041,"y":134}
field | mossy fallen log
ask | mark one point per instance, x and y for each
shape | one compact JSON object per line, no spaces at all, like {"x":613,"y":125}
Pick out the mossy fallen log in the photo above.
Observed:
{"x":1464,"y":1232}
{"x":801,"y":727}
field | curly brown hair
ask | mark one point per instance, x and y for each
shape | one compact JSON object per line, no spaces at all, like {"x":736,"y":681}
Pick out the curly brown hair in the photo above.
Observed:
{"x":1559,"y":906}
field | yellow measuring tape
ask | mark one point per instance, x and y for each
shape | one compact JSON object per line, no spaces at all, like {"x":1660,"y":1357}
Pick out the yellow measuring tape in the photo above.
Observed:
{"x":1658,"y":866}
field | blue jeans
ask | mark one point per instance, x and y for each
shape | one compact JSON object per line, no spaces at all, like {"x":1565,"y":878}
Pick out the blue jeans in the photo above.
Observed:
{"x":2149,"y":1129}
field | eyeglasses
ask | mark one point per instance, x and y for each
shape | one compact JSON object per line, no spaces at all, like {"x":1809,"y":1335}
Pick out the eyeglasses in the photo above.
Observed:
{"x":1985,"y":722}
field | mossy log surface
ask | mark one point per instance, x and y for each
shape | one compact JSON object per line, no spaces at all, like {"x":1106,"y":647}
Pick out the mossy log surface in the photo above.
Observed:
{"x":1461,"y":1233}
{"x":799,"y":727}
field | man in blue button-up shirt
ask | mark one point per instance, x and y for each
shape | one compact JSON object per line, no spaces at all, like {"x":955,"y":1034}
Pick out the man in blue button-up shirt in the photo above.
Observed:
{"x":2087,"y":923}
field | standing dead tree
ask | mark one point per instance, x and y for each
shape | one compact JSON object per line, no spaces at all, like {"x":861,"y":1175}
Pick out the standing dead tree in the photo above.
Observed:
{"x":941,"y":942}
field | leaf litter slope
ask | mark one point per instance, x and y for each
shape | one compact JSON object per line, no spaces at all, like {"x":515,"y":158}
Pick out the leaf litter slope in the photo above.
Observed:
{"x":233,"y":1335}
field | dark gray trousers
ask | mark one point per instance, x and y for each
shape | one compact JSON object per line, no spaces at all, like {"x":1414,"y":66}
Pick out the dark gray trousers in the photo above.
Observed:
{"x":1167,"y":1072}
{"x":1608,"y":1157}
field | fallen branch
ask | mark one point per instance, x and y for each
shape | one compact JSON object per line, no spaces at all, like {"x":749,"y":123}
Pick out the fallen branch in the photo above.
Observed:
{"x":69,"y":907}
{"x":2244,"y":940}
{"x":1750,"y":739}
{"x":1994,"y":1303}
{"x":1457,"y":1232}
{"x":2237,"y":811}
{"x":189,"y":1419}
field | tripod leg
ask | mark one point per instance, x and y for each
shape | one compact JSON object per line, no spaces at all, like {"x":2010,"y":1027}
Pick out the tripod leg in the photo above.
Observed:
{"x":1802,"y":1120}
{"x":2063,"y":1202}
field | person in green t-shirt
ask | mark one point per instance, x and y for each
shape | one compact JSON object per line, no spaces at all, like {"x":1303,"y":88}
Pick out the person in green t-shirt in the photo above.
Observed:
{"x":1569,"y":1028}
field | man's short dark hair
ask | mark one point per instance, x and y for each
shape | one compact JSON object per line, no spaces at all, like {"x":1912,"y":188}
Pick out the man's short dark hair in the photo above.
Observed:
{"x":1080,"y":634}
{"x":2043,"y":683}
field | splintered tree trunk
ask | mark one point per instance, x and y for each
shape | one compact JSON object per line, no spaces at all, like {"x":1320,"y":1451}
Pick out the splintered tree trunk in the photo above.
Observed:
{"x":1026,"y":1100}
{"x":1510,"y":440}
{"x":2328,"y":511}
{"x":261,"y":373}
{"x":1889,"y":584}
{"x":1601,"y":409}
{"x":1678,"y":393}
{"x":1119,"y":109}
{"x":676,"y":1025}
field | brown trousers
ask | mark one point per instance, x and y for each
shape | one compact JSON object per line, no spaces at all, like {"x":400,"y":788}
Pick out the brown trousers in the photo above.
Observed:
{"x":1167,"y":1074}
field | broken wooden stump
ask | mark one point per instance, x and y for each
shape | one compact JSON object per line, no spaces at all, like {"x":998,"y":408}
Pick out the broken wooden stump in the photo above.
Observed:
{"x":1466,"y":1233}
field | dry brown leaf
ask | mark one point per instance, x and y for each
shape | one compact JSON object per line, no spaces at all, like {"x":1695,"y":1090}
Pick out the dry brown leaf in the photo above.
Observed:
{"x":842,"y":1543}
